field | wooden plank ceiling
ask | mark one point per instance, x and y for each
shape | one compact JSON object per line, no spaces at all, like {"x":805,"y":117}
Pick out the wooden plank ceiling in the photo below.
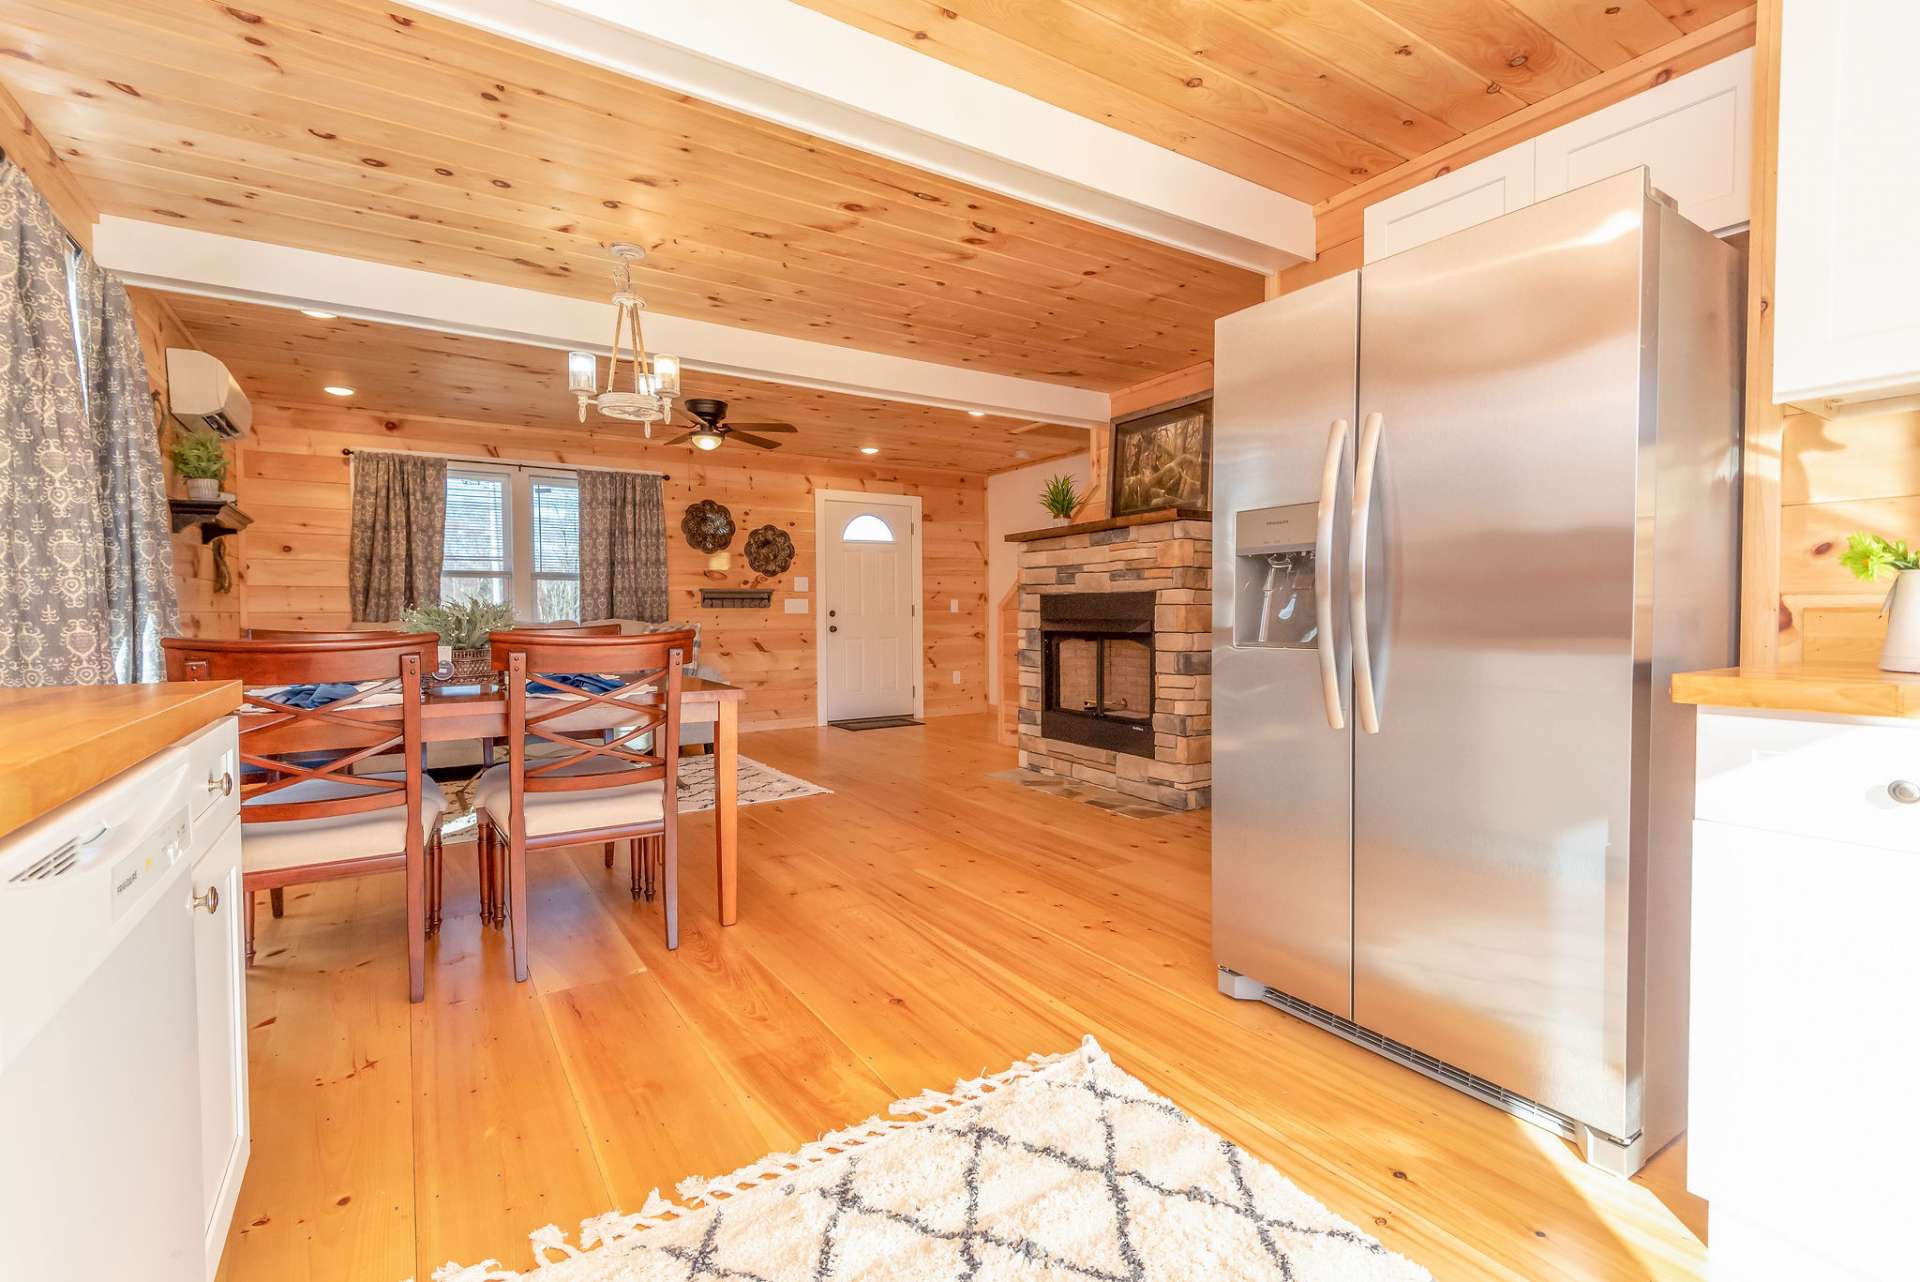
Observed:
{"x":1309,"y":97}
{"x":282,"y":357}
{"x":381,"y":133}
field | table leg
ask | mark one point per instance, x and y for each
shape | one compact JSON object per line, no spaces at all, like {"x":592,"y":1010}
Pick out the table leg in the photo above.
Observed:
{"x":726,"y":809}
{"x":416,"y":915}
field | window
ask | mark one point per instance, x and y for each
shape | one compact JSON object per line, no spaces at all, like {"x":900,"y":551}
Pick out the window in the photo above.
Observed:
{"x":867,"y":528}
{"x":513,"y":537}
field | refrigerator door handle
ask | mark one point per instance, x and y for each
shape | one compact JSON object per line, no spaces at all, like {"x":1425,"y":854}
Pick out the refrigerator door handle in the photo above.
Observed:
{"x":1366,"y":712}
{"x":1323,"y":572}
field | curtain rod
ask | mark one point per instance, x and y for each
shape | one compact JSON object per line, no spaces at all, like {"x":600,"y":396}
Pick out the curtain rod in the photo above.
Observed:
{"x":495,"y":462}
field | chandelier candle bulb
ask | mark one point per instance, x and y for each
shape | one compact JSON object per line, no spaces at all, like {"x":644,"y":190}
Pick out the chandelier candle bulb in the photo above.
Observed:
{"x":583,"y":374}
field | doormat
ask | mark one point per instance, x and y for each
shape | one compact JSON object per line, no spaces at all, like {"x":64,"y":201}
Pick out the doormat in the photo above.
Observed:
{"x":1114,"y":803}
{"x":1061,"y":1167}
{"x":875,"y":723}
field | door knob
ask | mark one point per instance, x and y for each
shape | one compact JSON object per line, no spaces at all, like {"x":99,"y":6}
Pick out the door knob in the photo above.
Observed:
{"x":1904,"y":791}
{"x":833,"y":627}
{"x":833,"y":614}
{"x":209,"y":901}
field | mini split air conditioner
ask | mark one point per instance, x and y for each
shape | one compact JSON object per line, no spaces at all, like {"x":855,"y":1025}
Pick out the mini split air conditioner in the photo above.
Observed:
{"x":201,"y":393}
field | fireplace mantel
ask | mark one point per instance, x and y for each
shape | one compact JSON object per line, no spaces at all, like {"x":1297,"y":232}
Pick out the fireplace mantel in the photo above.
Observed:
{"x":1160,"y":517}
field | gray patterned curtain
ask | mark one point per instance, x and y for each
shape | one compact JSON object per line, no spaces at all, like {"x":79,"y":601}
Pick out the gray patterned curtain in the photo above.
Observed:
{"x":143,"y":602}
{"x":53,"y":581}
{"x":623,"y":546}
{"x":399,"y":533}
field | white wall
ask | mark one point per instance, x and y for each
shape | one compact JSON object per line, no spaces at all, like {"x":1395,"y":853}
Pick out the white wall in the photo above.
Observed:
{"x":1013,"y":504}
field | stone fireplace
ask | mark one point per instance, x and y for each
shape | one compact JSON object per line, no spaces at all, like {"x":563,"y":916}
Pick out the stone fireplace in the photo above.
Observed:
{"x":1115,"y":655}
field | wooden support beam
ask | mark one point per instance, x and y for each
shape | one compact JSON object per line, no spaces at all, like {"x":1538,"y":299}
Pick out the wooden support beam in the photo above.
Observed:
{"x":28,"y":148}
{"x":1760,"y":605}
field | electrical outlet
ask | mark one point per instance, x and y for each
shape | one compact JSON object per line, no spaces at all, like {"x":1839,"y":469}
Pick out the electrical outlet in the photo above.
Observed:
{"x":796,"y":605}
{"x":956,"y":678}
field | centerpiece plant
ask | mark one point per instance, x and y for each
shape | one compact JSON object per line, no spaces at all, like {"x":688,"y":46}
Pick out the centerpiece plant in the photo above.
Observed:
{"x":463,"y":626}
{"x":1872,"y":557}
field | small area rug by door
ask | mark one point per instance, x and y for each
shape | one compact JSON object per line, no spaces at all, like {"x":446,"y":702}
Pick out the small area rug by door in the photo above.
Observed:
{"x":758,"y":782}
{"x":1061,"y":1167}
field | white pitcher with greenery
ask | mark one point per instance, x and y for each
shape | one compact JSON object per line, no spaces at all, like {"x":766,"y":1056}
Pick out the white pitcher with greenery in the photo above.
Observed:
{"x":1871,"y":557}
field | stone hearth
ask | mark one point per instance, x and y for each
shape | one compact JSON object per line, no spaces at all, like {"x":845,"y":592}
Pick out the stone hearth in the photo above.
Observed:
{"x":1105,"y":568}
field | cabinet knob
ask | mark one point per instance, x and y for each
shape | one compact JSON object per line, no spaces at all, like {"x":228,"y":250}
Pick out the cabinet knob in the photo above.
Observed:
{"x":209,"y":901}
{"x":1904,"y":791}
{"x":221,"y":783}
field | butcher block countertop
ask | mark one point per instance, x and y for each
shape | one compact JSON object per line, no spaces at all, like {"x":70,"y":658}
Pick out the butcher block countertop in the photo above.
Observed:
{"x":1841,"y":689}
{"x":56,"y":742}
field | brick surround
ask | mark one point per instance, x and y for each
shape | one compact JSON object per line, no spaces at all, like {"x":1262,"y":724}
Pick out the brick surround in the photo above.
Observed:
{"x":1173,"y":558}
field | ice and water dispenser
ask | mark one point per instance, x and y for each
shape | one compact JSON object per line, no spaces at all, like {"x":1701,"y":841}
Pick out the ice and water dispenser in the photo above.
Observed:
{"x":1273,"y":589}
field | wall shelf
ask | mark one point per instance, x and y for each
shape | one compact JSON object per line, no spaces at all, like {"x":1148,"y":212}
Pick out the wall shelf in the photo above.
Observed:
{"x":214,"y":517}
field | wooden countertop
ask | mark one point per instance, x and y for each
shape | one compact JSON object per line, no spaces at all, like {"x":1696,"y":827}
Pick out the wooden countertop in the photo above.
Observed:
{"x":1842,"y":689}
{"x":56,"y":742}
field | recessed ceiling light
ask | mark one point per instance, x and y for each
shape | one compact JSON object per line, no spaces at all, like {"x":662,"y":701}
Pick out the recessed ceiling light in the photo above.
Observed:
{"x":977,"y":413}
{"x":337,"y":391}
{"x":869,"y":449}
{"x":308,"y":311}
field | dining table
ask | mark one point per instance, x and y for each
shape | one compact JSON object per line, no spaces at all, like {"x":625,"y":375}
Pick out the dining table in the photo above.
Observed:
{"x":458,"y":711}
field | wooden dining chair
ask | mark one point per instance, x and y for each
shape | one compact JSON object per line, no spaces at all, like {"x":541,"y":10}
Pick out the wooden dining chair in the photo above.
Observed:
{"x":585,"y":789}
{"x":297,"y":634}
{"x":306,"y":815}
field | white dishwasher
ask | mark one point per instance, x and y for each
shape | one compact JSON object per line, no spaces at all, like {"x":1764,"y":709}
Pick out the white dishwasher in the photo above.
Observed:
{"x":110,"y":1072}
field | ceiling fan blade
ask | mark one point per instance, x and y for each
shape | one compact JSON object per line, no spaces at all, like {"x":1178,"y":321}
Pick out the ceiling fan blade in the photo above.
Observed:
{"x":766,"y":427}
{"x":681,"y":439}
{"x":748,"y":438}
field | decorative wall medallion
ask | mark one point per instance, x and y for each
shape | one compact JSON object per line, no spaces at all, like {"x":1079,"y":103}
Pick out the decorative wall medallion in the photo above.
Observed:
{"x":707,"y":525}
{"x":769,"y":550}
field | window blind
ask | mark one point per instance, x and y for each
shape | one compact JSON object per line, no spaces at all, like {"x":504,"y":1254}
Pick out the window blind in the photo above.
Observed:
{"x":555,"y":547}
{"x":477,"y":560}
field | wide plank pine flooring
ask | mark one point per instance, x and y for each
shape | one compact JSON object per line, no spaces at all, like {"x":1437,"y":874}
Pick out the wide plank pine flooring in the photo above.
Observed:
{"x":921,"y":924}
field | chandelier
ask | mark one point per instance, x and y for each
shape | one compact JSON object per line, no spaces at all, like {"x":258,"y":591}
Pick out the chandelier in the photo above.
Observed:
{"x":653,"y":378}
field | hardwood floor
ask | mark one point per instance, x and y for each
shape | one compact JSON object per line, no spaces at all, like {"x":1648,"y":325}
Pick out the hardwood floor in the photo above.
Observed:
{"x":921,"y":924}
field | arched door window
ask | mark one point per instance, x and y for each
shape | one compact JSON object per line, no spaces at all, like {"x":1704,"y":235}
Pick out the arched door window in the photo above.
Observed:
{"x":867,"y":528}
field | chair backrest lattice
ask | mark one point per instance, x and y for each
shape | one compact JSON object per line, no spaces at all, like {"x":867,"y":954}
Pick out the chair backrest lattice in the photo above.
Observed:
{"x":644,"y":709}
{"x":282,"y":744}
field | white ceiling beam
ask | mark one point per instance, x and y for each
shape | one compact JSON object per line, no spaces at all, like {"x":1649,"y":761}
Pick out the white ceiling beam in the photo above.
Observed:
{"x":781,"y":62}
{"x":205,"y":263}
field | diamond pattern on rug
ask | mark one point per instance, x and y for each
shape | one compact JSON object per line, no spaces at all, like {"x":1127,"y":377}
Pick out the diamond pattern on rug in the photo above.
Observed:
{"x":1065,"y":1169}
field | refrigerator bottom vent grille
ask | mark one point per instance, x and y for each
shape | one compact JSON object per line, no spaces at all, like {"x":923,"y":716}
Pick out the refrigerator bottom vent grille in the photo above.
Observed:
{"x":1421,"y":1062}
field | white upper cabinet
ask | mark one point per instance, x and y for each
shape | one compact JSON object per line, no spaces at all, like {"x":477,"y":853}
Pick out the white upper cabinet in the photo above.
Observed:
{"x":1694,"y":134}
{"x":1466,"y":197}
{"x":1847,"y":256}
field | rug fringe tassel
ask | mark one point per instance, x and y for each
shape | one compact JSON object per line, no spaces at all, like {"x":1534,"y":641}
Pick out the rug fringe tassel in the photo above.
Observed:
{"x":614,"y":1227}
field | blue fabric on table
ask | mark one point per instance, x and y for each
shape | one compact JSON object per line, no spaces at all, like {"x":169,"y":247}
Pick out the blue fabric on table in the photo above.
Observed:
{"x":591,"y":682}
{"x":316,"y":696}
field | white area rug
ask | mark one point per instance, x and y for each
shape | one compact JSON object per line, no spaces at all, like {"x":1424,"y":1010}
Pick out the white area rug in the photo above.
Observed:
{"x":758,"y":782}
{"x":1060,"y":1168}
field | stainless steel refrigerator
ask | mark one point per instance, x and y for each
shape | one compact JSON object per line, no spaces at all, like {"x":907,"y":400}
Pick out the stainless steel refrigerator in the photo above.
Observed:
{"x":1472,"y":505}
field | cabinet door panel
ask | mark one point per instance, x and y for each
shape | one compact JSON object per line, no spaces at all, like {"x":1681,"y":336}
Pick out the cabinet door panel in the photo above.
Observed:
{"x":1694,"y":134}
{"x":1467,"y":197}
{"x":220,"y":981}
{"x":1847,"y":265}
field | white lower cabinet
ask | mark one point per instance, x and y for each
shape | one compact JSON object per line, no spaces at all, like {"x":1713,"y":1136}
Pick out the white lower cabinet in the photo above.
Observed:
{"x":1805,"y":993}
{"x":220,"y":981}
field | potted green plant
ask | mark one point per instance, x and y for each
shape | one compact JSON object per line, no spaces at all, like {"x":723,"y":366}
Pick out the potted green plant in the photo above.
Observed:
{"x":464,"y":627}
{"x":1871,"y":557}
{"x":200,"y":460}
{"x":1060,"y":497}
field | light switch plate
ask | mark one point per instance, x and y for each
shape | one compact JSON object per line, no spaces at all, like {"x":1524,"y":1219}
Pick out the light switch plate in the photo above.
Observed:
{"x":956,"y":678}
{"x":953,"y":605}
{"x":799,"y":583}
{"x":796,"y":605}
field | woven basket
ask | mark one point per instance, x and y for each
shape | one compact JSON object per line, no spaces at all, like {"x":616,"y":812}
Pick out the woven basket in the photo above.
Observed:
{"x":472,"y":665}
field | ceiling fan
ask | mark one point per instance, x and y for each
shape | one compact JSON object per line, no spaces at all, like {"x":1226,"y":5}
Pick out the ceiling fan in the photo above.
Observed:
{"x":714,"y":431}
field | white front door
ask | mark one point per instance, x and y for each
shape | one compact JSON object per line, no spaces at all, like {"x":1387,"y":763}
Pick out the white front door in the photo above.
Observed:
{"x":872,"y":662}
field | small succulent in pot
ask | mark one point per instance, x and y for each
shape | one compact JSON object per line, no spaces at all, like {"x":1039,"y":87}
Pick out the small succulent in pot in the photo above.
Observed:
{"x":1061,"y":496}
{"x":464,"y":627}
{"x":200,"y":459}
